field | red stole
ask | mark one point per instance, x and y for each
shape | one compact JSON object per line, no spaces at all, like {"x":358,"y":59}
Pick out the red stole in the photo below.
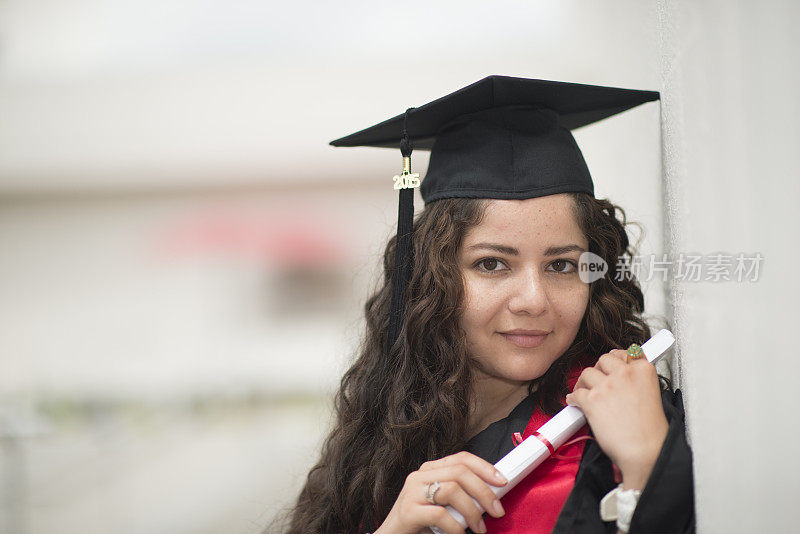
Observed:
{"x":533,"y":506}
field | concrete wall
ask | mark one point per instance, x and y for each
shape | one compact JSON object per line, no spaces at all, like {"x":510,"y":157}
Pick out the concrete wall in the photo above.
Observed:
{"x":730,"y":81}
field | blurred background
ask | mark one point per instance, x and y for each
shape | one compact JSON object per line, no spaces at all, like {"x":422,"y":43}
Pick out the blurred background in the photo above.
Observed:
{"x":184,"y":259}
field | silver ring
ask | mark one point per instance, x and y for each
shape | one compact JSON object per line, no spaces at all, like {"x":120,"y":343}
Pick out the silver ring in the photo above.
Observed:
{"x":430,"y":491}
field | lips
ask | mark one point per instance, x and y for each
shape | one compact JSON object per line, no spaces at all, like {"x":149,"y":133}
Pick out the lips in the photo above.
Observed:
{"x":525,"y":338}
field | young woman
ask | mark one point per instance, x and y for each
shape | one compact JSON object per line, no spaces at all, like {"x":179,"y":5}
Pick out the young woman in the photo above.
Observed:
{"x":499,"y":333}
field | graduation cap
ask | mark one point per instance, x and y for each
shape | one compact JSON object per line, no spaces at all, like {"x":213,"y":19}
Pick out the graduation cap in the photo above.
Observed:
{"x":499,"y":138}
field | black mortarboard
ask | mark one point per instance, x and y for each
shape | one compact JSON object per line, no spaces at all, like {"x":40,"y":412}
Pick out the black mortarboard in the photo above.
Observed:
{"x":501,"y":137}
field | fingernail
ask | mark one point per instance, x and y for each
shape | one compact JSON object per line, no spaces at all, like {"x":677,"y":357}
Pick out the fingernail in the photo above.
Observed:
{"x":499,"y":476}
{"x":498,"y":508}
{"x":482,"y":527}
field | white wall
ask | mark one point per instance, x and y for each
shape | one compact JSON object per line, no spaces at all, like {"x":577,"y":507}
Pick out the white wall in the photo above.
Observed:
{"x":730,"y":81}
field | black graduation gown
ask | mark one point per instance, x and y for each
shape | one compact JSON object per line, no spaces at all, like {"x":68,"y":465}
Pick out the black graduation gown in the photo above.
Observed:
{"x":667,"y":501}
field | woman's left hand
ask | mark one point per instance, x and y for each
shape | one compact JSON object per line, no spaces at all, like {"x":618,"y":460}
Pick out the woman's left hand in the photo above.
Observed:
{"x":622,"y":403}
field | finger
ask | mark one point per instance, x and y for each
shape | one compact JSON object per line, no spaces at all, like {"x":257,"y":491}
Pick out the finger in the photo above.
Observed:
{"x":474,"y":486}
{"x":578,"y":398}
{"x":452,"y":493}
{"x":609,"y":363}
{"x":440,"y":517}
{"x":479,"y":490}
{"x":478,"y":465}
{"x":589,"y":378}
{"x":620,"y":354}
{"x":645,"y":368}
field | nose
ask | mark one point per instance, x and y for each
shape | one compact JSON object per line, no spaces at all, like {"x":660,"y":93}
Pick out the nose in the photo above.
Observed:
{"x":528,"y":294}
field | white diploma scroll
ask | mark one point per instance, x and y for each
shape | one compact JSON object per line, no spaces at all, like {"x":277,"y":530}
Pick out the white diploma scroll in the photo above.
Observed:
{"x":526,"y":456}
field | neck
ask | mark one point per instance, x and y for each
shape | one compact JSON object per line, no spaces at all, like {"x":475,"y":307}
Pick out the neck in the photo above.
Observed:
{"x":493,"y":399}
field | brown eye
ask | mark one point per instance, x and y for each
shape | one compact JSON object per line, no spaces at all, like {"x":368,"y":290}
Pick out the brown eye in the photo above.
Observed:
{"x":562,"y":266}
{"x":490,"y":264}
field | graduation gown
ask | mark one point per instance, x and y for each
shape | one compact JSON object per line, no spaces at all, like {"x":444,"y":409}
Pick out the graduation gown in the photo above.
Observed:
{"x":537,"y":503}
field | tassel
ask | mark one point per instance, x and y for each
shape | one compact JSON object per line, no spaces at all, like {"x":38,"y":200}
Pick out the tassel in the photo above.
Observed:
{"x":404,"y":252}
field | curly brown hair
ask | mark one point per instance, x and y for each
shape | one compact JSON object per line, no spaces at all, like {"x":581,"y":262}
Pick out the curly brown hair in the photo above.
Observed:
{"x":394,"y":414}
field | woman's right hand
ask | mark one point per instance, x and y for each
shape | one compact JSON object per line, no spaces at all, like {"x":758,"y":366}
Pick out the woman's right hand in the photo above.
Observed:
{"x":461,"y":477}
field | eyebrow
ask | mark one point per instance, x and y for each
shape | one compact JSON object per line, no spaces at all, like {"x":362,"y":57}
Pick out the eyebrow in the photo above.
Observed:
{"x":555,"y":251}
{"x":511,"y":251}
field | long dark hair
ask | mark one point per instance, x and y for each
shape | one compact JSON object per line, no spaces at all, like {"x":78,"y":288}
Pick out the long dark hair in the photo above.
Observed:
{"x":394,"y":414}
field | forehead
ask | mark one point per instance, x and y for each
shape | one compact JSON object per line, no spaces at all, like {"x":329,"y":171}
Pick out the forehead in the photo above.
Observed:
{"x":547,"y":220}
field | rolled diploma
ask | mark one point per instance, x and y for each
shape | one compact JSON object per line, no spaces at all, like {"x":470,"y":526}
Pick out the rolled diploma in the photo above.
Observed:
{"x":526,"y":456}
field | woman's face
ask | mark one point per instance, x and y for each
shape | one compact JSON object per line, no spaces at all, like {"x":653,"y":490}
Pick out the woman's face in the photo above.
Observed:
{"x":524,"y":300}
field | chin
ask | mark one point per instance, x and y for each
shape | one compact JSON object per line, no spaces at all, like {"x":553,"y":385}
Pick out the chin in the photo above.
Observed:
{"x":539,"y":369}
{"x":524,"y":373}
{"x":515,"y":365}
